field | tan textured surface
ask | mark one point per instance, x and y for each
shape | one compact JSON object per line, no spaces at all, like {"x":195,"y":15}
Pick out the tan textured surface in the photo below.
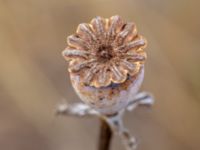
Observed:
{"x":105,"y":51}
{"x":33,"y":74}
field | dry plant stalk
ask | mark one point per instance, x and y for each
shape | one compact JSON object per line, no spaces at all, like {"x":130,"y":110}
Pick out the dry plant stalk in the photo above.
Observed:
{"x":106,"y":66}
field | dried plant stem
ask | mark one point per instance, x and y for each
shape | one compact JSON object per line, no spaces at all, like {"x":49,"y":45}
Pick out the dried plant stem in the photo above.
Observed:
{"x":105,"y":135}
{"x":110,"y":124}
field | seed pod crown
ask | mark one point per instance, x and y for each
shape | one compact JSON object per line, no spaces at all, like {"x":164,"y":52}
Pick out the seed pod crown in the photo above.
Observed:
{"x":105,"y":51}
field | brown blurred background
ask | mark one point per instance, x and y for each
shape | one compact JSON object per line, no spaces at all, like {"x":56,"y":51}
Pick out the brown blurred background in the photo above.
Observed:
{"x":34,"y":79}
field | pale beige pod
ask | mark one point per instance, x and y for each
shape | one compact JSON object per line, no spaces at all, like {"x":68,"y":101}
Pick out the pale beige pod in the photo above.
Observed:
{"x":106,"y":62}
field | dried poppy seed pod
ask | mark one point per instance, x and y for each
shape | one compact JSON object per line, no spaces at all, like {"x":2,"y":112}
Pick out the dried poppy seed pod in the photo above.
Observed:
{"x":106,"y":63}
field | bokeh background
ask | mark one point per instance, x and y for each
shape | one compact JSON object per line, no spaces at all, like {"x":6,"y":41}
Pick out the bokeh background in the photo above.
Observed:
{"x":34,"y":78}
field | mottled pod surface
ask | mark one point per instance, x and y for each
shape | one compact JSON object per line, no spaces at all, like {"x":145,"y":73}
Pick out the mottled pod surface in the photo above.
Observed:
{"x":106,"y":62}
